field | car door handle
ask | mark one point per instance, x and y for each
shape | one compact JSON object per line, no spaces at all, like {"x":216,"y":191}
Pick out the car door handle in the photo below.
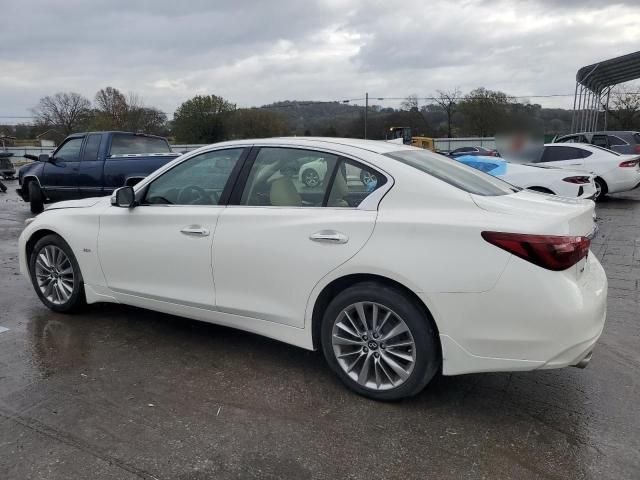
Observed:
{"x":575,"y":164}
{"x":329,"y":236}
{"x":195,"y":230}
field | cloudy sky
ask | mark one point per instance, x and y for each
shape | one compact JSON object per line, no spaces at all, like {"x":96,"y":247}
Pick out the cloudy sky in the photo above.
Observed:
{"x":257,"y":52}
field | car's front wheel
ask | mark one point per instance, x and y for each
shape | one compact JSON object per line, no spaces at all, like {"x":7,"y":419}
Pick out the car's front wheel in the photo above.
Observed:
{"x":55,"y":274}
{"x":379,"y":342}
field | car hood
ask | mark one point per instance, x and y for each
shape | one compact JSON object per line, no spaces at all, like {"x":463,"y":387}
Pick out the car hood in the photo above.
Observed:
{"x":81,"y":203}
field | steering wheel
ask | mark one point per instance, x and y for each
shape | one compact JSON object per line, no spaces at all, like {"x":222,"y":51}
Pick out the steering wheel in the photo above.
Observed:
{"x":194,"y":195}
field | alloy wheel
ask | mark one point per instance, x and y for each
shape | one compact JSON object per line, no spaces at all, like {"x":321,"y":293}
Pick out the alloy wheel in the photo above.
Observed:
{"x":54,"y":274}
{"x":373,"y":346}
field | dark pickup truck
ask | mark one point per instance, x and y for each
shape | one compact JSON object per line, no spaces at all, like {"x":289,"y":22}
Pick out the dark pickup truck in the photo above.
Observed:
{"x":91,"y":165}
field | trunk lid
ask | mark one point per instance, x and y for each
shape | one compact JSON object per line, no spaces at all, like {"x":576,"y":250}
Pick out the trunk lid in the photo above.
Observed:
{"x":553,"y":214}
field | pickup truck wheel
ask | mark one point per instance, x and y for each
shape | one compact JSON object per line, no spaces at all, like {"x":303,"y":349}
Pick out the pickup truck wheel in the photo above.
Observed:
{"x":55,"y":275}
{"x":36,"y":199}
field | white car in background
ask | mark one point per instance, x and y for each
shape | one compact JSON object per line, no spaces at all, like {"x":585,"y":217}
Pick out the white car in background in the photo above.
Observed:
{"x":614,"y":172}
{"x":539,"y":178}
{"x":433,"y":267}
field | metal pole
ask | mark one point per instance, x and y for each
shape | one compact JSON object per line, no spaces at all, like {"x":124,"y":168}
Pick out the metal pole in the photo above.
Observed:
{"x":366,"y":108}
{"x":578,"y":111}
{"x":596,"y":109}
{"x":573,"y":117}
{"x":606,"y":108}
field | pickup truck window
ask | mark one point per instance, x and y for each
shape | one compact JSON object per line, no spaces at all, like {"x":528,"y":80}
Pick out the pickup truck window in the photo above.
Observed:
{"x":138,"y":144}
{"x":70,"y":150}
{"x":92,"y":147}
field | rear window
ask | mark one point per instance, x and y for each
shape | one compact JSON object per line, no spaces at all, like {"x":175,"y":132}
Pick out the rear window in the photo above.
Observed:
{"x":131,"y":144}
{"x":454,"y":173}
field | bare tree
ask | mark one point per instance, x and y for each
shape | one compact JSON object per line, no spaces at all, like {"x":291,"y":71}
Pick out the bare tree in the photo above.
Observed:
{"x":625,"y":106}
{"x":112,"y":108}
{"x":65,"y":111}
{"x":410,"y":103}
{"x":448,"y":102}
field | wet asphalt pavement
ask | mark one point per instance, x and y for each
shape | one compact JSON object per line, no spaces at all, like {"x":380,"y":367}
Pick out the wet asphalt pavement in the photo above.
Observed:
{"x":124,"y":393}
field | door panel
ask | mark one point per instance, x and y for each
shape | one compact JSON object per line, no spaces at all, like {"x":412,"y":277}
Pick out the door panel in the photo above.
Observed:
{"x":60,"y":175}
{"x":161,"y":249}
{"x":91,"y":166}
{"x":144,"y":252}
{"x":265,"y":263}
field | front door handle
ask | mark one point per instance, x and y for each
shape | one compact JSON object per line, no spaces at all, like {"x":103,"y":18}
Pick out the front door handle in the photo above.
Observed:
{"x":329,"y":236}
{"x":195,"y":230}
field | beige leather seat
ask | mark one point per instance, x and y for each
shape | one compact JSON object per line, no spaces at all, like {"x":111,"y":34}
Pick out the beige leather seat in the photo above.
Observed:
{"x":338,"y":192}
{"x":283,"y":193}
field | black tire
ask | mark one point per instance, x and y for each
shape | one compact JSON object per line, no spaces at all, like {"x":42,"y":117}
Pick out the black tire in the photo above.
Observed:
{"x":36,"y":198}
{"x":418,"y":321}
{"x":541,"y":190}
{"x":308,"y":174}
{"x":77,"y":298}
{"x":604,"y":189}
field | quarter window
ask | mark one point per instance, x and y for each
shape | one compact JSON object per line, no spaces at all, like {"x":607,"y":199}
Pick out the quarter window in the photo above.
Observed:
{"x":91,"y":147}
{"x":197,"y":181}
{"x":70,"y":150}
{"x":353,"y":183}
{"x":558,"y":154}
{"x":613,"y":140}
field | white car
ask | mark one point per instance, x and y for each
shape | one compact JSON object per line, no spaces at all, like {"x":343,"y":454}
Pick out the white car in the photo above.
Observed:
{"x":431,"y":266}
{"x":312,"y":173}
{"x":538,"y":177}
{"x":614,"y":171}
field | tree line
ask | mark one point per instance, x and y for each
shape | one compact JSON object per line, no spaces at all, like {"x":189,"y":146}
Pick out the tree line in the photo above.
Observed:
{"x":211,"y":118}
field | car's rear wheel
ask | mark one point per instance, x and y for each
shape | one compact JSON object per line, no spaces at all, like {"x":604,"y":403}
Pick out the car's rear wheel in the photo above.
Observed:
{"x":379,"y":342}
{"x":55,"y":274}
{"x":601,"y":189}
{"x":36,"y":198}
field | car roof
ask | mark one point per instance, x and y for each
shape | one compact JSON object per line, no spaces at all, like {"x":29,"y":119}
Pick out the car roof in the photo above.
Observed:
{"x":602,"y":132}
{"x":375,"y":146}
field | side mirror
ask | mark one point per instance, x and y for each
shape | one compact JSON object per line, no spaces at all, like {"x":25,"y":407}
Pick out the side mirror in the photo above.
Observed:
{"x":43,"y":157}
{"x":124,"y":197}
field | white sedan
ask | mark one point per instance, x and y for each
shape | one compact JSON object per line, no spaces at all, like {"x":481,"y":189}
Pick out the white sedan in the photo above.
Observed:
{"x":428,"y":266}
{"x":614,"y":172}
{"x":536,"y":177}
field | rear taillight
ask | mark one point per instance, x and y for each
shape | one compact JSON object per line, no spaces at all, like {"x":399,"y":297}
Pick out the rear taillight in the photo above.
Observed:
{"x":579,"y":179}
{"x":629,"y":163}
{"x":637,"y":149}
{"x":547,"y":251}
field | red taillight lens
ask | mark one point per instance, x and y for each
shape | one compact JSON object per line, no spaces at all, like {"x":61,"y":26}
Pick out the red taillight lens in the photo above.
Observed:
{"x":629,"y":163}
{"x":637,"y":149}
{"x":578,"y":179}
{"x":547,"y":251}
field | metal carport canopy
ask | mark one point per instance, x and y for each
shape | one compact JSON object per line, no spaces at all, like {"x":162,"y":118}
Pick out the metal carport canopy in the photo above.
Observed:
{"x":610,"y":72}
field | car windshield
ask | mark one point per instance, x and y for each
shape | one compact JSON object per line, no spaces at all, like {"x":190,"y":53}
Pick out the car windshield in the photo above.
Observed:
{"x":454,"y":173}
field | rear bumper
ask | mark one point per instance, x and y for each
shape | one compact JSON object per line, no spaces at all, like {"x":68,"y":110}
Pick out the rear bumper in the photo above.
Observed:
{"x":624,"y":181}
{"x":532,"y":319}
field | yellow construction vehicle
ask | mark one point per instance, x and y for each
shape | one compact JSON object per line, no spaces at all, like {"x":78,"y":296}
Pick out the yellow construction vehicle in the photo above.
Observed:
{"x":405,"y":134}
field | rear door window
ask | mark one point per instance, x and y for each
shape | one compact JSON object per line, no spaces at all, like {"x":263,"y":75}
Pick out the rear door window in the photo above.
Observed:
{"x":600,"y":141}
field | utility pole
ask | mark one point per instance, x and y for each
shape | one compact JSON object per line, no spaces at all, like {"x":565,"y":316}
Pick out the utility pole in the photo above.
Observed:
{"x":366,"y":108}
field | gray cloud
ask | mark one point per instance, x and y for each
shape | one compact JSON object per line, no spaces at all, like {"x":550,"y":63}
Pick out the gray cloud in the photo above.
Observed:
{"x":255,"y":52}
